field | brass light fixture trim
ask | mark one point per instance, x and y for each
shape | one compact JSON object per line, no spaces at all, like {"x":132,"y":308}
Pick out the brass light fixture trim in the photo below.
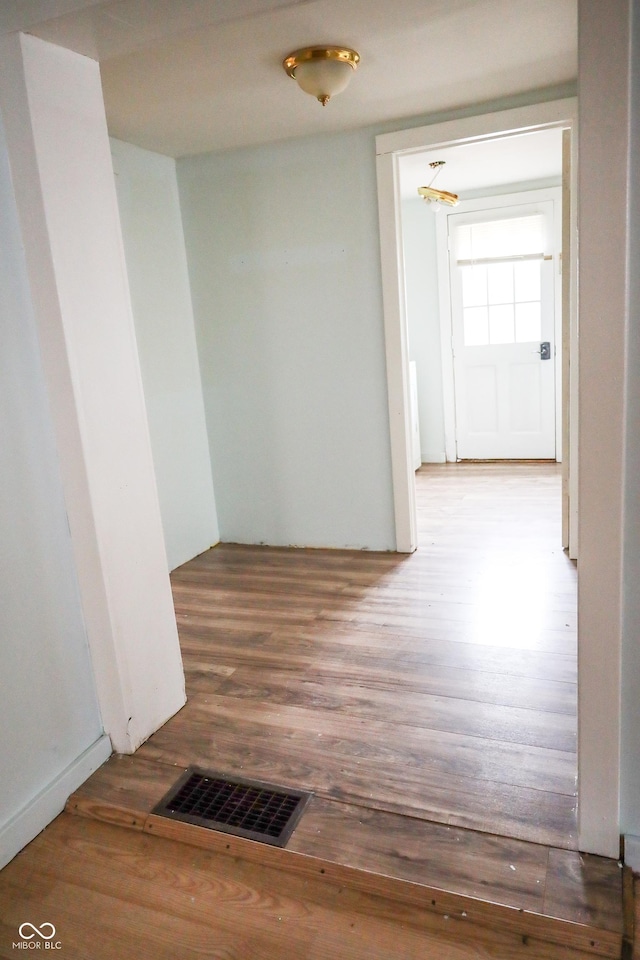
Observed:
{"x":318,"y":54}
{"x":432,"y":194}
{"x":442,"y":196}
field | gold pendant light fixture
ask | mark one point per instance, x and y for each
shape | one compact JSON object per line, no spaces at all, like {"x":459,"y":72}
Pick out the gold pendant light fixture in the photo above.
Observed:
{"x":322,"y":71}
{"x":434,"y":197}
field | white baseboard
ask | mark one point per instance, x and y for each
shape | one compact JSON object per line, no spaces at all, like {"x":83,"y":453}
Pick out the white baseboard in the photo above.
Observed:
{"x":632,"y":852}
{"x":46,"y":806}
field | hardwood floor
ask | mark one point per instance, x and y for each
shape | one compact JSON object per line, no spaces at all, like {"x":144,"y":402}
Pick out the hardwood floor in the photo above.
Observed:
{"x":440,"y":685}
{"x":428,"y":701}
{"x":113,"y":894}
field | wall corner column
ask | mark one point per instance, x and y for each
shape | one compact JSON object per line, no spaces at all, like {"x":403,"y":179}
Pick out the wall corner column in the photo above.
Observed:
{"x":59,"y":154}
{"x":603,"y":104}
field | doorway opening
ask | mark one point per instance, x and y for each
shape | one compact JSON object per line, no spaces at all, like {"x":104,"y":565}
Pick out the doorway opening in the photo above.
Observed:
{"x":397,"y":149}
{"x":492,"y":263}
{"x":393,"y":150}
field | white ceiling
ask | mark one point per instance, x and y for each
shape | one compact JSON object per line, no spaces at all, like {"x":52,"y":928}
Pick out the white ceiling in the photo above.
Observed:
{"x":187,"y":76}
{"x":487,"y":163}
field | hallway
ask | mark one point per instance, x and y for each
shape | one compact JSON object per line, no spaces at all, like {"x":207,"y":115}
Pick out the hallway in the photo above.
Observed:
{"x":439,"y":685}
{"x":428,"y":701}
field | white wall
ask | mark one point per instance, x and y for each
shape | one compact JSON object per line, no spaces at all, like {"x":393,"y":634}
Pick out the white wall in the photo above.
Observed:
{"x":282,"y":244}
{"x":157,"y":268}
{"x":423,"y":318}
{"x":48,"y":707}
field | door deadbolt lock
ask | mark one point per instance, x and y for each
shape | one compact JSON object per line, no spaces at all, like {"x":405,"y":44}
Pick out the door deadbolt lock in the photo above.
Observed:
{"x":545,"y":350}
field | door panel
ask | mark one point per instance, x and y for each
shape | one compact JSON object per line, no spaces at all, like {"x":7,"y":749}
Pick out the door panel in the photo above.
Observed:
{"x":502,"y":314}
{"x":481,"y":400}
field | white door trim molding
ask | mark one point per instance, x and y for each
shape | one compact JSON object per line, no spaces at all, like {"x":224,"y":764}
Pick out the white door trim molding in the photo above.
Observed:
{"x":486,"y":126}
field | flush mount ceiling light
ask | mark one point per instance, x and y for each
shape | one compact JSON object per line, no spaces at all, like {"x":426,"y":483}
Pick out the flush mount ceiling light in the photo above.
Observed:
{"x":438,"y":198}
{"x":322,"y":71}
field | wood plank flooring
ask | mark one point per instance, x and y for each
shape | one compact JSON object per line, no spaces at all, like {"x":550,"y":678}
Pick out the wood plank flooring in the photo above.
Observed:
{"x":555,"y":896}
{"x":440,"y":685}
{"x":112,"y":894}
{"x":428,"y":701}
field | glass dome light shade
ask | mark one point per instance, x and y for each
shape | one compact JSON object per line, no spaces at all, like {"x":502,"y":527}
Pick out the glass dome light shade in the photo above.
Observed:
{"x":322,"y":71}
{"x":323,"y":79}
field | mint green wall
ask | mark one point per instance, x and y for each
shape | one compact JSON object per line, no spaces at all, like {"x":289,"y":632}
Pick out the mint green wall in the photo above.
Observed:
{"x":282,"y":244}
{"x":157,"y":268}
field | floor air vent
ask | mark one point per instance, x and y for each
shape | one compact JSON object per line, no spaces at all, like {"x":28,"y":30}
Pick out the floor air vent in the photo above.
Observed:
{"x":245,"y":808}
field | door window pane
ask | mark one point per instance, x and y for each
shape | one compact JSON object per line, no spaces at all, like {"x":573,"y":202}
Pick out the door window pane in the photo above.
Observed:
{"x":511,"y":237}
{"x":476,"y":326}
{"x":527,"y":280}
{"x":474,"y":286}
{"x":528,"y":322}
{"x":501,"y":301}
{"x":500,"y":282}
{"x":501,"y":328}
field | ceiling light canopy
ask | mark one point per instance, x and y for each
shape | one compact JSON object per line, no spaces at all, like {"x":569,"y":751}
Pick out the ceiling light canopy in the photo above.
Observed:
{"x":322,"y":71}
{"x":438,"y":198}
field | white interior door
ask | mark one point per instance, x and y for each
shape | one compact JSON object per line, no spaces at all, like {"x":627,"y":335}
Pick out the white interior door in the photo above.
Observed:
{"x":503,"y":323}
